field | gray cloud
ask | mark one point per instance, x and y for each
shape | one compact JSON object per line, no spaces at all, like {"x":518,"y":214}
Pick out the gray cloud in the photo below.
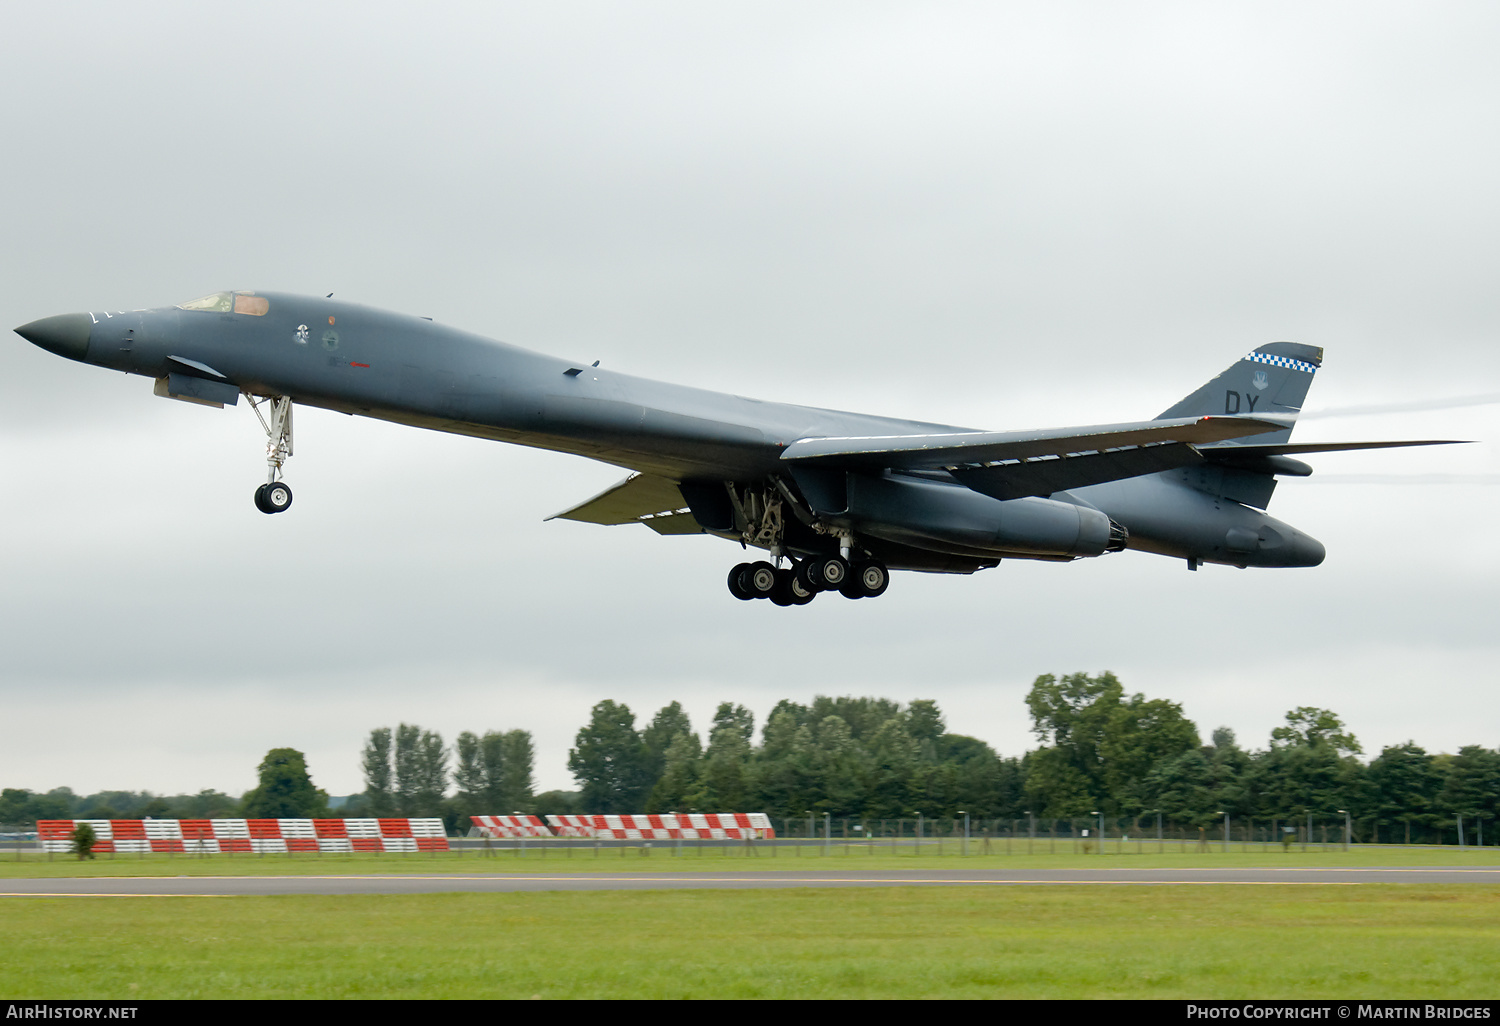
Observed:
{"x":1004,"y":217}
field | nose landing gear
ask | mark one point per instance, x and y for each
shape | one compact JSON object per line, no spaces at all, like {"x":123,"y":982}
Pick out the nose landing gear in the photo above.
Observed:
{"x":275,"y":496}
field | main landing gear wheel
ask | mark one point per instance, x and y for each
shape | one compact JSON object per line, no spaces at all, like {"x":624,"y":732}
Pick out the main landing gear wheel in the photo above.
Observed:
{"x":273,"y":498}
{"x":873,"y":579}
{"x":868,"y":580}
{"x":759,"y":580}
{"x":790,"y":591}
{"x":737,"y":586}
{"x":826,"y":573}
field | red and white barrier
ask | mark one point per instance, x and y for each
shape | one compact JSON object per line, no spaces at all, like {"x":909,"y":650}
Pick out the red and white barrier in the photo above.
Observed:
{"x":510,"y":826}
{"x":216,"y":836}
{"x":717,"y":826}
{"x":571,"y":826}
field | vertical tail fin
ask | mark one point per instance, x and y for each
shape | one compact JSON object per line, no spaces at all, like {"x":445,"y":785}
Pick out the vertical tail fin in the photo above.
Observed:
{"x":1272,"y":379}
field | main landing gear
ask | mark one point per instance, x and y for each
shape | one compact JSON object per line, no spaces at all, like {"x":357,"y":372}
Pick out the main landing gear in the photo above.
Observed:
{"x":274,"y":496}
{"x":799,"y":584}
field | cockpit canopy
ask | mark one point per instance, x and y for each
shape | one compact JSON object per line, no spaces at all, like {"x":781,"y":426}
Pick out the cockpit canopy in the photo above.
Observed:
{"x":230,"y":302}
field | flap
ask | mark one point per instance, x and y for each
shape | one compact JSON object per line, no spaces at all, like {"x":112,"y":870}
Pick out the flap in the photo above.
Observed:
{"x":634,"y":500}
{"x":673,"y":523}
{"x":916,"y":452}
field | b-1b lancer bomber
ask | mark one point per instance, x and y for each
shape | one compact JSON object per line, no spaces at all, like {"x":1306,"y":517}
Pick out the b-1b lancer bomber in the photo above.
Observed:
{"x":836,"y":500}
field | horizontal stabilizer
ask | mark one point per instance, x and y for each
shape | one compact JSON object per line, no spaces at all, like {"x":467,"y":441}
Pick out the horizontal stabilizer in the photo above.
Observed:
{"x":931,"y":452}
{"x":639,"y":498}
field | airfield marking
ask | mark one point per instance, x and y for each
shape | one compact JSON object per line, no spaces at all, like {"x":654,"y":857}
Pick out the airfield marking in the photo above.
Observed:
{"x":745,"y":880}
{"x":771,"y":875}
{"x":108,"y":894}
{"x":499,"y":883}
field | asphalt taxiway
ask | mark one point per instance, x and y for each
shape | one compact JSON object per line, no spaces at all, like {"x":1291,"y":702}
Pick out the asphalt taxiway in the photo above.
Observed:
{"x":234,"y":886}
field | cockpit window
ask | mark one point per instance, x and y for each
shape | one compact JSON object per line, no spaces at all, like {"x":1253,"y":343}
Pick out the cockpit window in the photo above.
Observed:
{"x":225,"y":302}
{"x":250,"y":303}
{"x":219,"y":302}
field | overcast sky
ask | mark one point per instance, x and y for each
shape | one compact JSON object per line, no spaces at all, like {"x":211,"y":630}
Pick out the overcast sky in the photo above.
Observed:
{"x":996,"y":215}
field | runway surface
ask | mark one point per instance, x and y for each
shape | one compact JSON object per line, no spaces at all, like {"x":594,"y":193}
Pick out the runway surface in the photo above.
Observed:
{"x":234,"y":886}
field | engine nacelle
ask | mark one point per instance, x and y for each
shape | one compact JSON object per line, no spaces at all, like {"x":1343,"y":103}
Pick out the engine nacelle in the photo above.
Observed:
{"x":935,"y":514}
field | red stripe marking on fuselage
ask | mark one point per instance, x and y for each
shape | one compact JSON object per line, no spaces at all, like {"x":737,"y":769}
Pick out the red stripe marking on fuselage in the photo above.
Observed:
{"x":366,"y":366}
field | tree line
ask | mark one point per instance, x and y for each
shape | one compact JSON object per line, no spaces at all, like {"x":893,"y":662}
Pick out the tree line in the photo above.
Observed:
{"x":407,"y":773}
{"x":285,"y":790}
{"x":1100,"y":751}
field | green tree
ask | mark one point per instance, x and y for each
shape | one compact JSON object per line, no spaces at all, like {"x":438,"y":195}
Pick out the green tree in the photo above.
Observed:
{"x":782,"y":768}
{"x":494,"y":800}
{"x":841,"y":767}
{"x":1400,"y":790}
{"x":431,"y":766}
{"x":1199,"y":785}
{"x":924,"y":722}
{"x":1471,"y":786}
{"x":1310,"y":767}
{"x":408,"y":768}
{"x":724,"y":781}
{"x":986,"y":786}
{"x":670,"y":720}
{"x":1308,"y":727}
{"x":13,"y":805}
{"x":609,"y":761}
{"x":468,"y":773}
{"x":1140,"y":734}
{"x":1098,"y":747}
{"x":678,"y":784}
{"x":285,"y":791}
{"x":517,"y":766}
{"x":83,"y":841}
{"x":893,"y":788}
{"x":376,"y":764}
{"x":558,"y":803}
{"x":863,"y":715}
{"x":20,"y":806}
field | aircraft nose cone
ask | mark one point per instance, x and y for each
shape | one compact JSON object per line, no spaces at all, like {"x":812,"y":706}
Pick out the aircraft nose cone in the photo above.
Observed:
{"x":65,"y":334}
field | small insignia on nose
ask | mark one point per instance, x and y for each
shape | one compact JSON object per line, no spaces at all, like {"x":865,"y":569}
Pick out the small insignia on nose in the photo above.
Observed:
{"x":302,"y":334}
{"x":330,"y":340}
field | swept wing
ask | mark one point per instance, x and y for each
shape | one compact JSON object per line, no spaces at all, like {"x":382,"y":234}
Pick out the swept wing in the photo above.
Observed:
{"x":639,"y":499}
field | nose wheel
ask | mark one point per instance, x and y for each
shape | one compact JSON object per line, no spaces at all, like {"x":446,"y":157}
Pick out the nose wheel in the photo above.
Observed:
{"x":273,"y":498}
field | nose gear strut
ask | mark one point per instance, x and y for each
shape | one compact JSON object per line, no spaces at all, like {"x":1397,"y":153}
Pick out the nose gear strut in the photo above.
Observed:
{"x":274,"y":496}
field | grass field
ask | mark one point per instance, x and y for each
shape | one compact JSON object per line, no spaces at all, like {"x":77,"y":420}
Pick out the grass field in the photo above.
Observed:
{"x":1374,"y":941}
{"x":732,"y":858}
{"x":1367,"y":941}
